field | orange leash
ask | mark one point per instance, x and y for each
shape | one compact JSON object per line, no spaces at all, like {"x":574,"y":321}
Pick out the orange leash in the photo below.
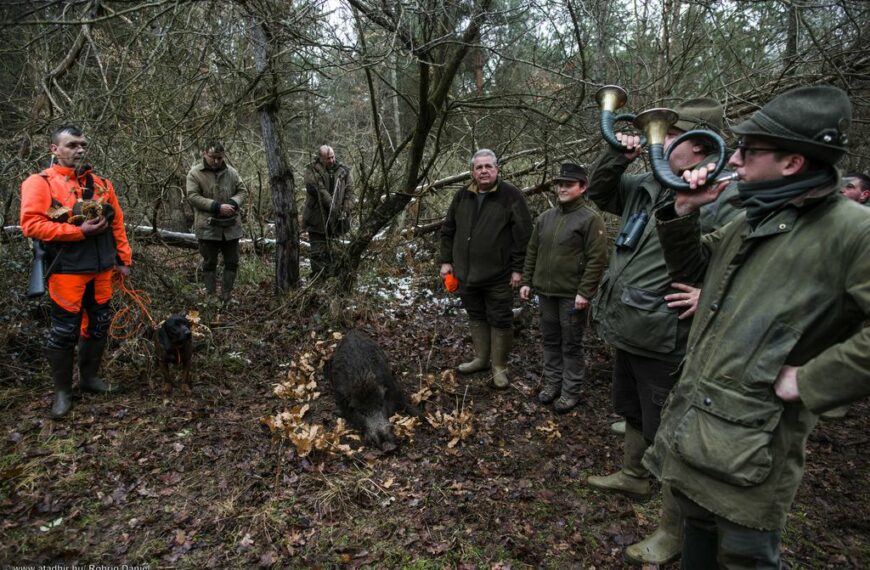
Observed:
{"x":125,"y":324}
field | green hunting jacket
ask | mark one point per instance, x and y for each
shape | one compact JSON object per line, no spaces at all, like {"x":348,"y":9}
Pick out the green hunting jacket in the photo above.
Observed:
{"x":567,"y":253}
{"x":207,"y":189}
{"x":795,"y":291}
{"x":486,"y":242}
{"x":321,"y":197}
{"x":630,"y":310}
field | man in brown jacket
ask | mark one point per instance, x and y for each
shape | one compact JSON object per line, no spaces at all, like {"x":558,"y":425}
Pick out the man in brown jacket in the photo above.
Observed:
{"x":217,"y":192}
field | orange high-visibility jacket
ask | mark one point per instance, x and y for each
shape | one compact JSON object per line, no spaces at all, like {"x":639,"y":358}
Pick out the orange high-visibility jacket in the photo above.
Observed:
{"x":62,"y":186}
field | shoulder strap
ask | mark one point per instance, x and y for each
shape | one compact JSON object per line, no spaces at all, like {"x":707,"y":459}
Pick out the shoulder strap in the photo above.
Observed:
{"x":88,"y":192}
{"x":44,"y":175}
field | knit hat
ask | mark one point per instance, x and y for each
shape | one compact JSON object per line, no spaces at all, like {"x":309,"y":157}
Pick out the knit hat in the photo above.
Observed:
{"x":700,"y":113}
{"x":812,"y":121}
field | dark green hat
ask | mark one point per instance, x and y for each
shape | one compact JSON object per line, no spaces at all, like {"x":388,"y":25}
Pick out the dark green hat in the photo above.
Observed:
{"x":812,"y":121}
{"x":571,"y":173}
{"x":700,"y":113}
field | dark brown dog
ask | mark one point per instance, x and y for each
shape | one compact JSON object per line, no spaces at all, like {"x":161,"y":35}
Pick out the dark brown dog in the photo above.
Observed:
{"x":173,"y":347}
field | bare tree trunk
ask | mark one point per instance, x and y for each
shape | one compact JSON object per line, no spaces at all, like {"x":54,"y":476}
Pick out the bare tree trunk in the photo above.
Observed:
{"x":280,"y":174}
{"x":791,"y":43}
{"x":433,"y":89}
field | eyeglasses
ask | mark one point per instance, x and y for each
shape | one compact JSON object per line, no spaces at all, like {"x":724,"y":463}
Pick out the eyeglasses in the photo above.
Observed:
{"x":745,"y":149}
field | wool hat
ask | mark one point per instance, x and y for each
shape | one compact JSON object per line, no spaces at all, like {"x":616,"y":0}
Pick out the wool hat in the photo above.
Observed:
{"x":571,"y":173}
{"x":700,"y":113}
{"x":812,"y":121}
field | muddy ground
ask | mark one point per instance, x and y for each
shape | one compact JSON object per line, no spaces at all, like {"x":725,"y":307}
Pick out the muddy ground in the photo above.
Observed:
{"x":199,"y":482}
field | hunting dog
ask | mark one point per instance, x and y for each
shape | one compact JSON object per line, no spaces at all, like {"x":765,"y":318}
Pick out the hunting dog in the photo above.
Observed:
{"x":173,"y":347}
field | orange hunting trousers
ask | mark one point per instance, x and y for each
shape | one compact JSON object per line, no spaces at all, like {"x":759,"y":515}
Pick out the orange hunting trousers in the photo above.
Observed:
{"x":72,"y":292}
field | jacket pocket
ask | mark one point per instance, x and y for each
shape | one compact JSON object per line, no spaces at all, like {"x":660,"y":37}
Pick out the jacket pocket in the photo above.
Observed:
{"x":728,"y":435}
{"x":643,"y":319}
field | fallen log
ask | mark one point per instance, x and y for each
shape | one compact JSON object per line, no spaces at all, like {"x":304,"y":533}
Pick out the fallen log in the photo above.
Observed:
{"x":159,"y":236}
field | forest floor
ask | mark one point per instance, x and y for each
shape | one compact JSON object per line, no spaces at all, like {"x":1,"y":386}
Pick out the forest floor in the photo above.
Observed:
{"x":198,"y":481}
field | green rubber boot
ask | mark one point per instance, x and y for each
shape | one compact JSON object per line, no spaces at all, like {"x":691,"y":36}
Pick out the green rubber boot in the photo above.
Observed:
{"x":228,"y":282}
{"x":61,"y":363}
{"x":481,"y":340}
{"x":836,"y":414}
{"x":90,"y":356}
{"x":502,"y":341}
{"x":666,"y":542}
{"x":209,"y":280}
{"x":633,"y":479}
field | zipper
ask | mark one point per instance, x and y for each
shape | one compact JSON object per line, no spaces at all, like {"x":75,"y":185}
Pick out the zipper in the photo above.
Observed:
{"x":560,"y":220}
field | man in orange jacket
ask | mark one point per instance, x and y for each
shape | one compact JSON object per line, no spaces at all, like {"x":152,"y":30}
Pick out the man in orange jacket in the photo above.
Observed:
{"x":81,"y":259}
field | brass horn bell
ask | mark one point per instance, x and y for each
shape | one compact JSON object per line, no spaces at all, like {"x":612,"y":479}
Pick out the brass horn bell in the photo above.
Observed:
{"x":611,"y":98}
{"x":655,"y":124}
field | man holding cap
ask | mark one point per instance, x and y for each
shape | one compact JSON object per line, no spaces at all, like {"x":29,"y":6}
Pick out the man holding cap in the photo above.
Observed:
{"x":778,"y":337}
{"x":217,"y":192}
{"x":565,"y":259}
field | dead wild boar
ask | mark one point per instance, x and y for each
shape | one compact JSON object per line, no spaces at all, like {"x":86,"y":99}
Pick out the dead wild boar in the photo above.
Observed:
{"x":365,"y":390}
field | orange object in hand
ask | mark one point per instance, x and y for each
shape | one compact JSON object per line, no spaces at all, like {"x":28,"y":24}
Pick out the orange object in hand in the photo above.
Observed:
{"x":451,"y":283}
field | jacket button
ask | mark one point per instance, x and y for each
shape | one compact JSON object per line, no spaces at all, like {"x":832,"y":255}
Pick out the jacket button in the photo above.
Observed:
{"x":782,"y":226}
{"x":714,"y":307}
{"x":708,"y":401}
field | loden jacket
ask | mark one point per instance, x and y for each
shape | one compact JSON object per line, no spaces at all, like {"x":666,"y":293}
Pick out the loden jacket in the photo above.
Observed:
{"x":207,"y":189}
{"x":567,"y":253}
{"x":630,"y":310}
{"x":320,"y":197}
{"x":486,"y":242}
{"x":794,"y":291}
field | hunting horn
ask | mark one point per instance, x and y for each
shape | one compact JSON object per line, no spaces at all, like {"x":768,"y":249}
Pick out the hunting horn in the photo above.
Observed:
{"x":655,"y":123}
{"x":610,"y":98}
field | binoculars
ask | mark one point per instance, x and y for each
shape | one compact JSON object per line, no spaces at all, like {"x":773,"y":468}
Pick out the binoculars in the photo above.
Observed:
{"x":631,"y":232}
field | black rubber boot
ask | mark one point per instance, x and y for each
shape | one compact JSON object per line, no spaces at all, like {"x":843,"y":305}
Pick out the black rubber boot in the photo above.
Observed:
{"x":90,"y":357}
{"x":209,"y":280}
{"x":61,"y":362}
{"x":228,"y":282}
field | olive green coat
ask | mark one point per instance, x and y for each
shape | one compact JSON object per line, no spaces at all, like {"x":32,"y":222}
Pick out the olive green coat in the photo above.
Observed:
{"x":792,"y":292}
{"x":630,"y":310}
{"x":567,"y":253}
{"x":206,"y":190}
{"x":320,"y":198}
